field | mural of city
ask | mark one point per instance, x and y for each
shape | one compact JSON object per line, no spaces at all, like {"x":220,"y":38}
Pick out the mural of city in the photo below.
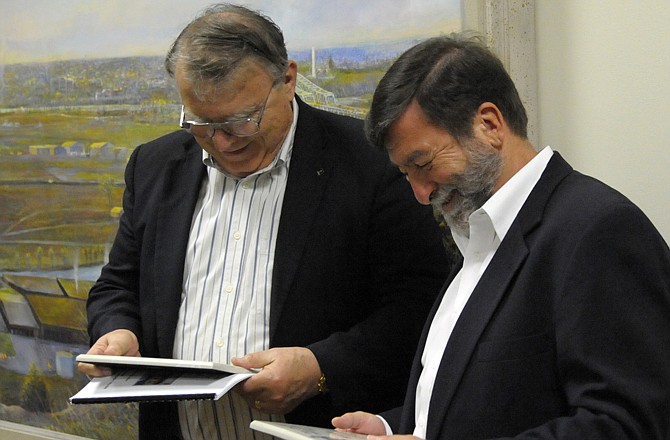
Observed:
{"x":67,"y":128}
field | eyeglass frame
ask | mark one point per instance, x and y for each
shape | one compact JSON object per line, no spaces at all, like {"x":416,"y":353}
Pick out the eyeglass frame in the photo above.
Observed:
{"x":213,"y":126}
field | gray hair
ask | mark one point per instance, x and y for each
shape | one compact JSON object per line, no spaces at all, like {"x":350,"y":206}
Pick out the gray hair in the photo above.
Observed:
{"x":221,"y":39}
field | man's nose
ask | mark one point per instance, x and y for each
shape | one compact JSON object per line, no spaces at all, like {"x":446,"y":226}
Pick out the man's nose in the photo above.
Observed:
{"x":422,"y":189}
{"x":223,"y":139}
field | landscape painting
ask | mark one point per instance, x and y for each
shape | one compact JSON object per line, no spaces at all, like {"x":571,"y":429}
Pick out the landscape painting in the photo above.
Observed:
{"x":82,"y":84}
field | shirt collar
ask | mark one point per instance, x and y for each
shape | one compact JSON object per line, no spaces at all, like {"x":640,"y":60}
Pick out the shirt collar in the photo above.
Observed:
{"x":504,"y":205}
{"x":280,"y":159}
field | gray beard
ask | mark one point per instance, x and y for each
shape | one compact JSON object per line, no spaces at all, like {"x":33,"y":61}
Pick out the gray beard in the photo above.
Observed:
{"x":473,"y":187}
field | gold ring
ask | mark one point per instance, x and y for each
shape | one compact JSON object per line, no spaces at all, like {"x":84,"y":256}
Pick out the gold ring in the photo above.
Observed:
{"x":257,"y":404}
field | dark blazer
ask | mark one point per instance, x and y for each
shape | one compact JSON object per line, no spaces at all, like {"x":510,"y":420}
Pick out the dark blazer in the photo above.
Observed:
{"x":567,"y":334}
{"x":358,"y":263}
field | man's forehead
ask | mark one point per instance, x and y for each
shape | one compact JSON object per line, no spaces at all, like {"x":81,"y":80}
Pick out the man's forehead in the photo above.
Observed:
{"x":249,"y":71}
{"x":415,"y":155}
{"x":406,"y":154}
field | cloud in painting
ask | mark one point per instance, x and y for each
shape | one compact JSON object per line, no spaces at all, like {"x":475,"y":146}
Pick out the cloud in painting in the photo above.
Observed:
{"x":41,"y":30}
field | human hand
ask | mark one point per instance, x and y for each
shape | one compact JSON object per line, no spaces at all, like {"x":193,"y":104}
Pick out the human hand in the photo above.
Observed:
{"x":120,"y":342}
{"x":288,"y":377}
{"x":360,"y":422}
{"x":365,"y":423}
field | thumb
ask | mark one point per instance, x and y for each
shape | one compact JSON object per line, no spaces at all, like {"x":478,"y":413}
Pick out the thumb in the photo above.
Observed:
{"x":346,"y":421}
{"x":360,"y":422}
{"x":120,"y":343}
{"x":253,"y":360}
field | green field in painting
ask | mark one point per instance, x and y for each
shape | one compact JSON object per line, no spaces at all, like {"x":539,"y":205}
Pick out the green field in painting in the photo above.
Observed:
{"x":61,"y":210}
{"x":57,"y":212}
{"x":123,"y":126}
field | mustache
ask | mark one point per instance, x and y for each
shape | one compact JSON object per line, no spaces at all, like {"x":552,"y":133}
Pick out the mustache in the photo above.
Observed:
{"x":447,"y":191}
{"x":442,"y":195}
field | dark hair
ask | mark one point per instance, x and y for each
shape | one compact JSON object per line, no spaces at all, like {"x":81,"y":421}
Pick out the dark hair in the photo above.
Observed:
{"x":221,"y":38}
{"x":450,"y":77}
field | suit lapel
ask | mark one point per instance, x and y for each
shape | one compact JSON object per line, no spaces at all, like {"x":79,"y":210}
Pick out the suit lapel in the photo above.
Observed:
{"x":491,"y":288}
{"x":309,"y":172}
{"x":181,"y":185}
{"x":471,"y":324}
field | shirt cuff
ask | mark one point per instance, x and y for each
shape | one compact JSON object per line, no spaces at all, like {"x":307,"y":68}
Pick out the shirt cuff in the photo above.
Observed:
{"x":389,"y":431}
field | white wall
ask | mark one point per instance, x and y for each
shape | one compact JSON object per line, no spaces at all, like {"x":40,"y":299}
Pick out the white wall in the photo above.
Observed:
{"x":604,"y":94}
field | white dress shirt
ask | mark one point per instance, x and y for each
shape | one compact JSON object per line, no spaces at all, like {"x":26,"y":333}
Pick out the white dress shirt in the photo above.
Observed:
{"x":488,"y":226}
{"x":225,"y":305}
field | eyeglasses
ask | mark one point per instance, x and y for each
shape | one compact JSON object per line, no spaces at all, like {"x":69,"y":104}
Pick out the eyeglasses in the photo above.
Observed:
{"x":243,"y":127}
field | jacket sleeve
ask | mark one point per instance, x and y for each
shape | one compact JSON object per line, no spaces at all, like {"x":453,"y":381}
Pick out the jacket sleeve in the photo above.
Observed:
{"x":367,"y":366}
{"x":113,"y":300}
{"x":612,"y":321}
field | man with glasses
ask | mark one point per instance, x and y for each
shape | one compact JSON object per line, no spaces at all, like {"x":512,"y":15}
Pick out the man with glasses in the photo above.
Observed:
{"x":267,"y":234}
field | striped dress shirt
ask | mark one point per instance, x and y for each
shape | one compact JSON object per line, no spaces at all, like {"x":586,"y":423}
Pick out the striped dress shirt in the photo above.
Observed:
{"x":225,"y":305}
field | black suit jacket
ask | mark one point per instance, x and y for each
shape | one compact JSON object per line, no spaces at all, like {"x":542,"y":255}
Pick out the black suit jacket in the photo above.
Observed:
{"x":567,"y":334}
{"x":357,"y":265}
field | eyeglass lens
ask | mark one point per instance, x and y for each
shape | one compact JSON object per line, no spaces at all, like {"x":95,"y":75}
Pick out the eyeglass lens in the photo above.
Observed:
{"x":245,"y":127}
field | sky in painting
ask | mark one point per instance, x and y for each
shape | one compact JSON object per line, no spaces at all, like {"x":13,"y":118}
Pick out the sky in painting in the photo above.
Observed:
{"x":48,"y":30}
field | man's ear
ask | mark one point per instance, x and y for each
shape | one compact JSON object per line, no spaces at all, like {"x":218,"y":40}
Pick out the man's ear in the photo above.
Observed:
{"x":291,"y":78}
{"x":489,"y":123}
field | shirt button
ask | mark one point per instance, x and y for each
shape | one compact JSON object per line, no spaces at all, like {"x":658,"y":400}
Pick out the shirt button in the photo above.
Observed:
{"x":245,"y":185}
{"x":237,"y":235}
{"x":219,"y":342}
{"x":229,"y":289}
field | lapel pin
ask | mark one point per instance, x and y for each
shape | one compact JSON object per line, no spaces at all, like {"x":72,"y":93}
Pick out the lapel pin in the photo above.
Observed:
{"x":320,"y":171}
